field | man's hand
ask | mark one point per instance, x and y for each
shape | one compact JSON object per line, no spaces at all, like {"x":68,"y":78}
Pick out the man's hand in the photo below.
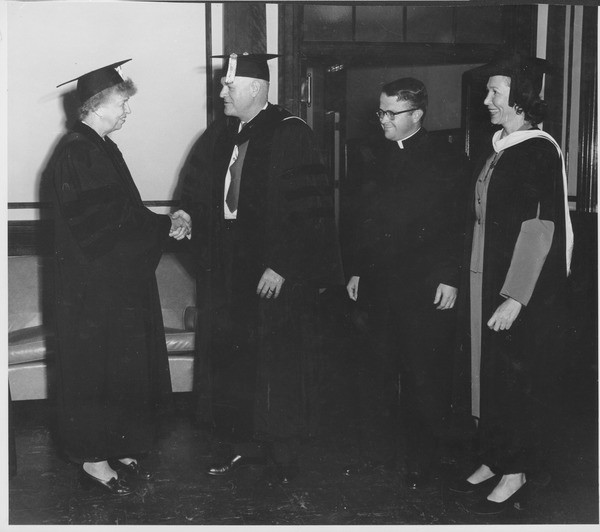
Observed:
{"x":270,"y":284}
{"x":352,"y":287}
{"x":181,"y":225}
{"x":445,"y":295}
{"x":505,"y":315}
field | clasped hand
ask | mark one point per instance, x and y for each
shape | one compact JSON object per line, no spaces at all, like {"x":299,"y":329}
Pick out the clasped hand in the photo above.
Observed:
{"x":270,"y":284}
{"x":181,"y":225}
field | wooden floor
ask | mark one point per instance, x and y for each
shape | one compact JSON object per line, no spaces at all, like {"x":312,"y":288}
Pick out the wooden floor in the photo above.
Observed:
{"x":46,"y":490}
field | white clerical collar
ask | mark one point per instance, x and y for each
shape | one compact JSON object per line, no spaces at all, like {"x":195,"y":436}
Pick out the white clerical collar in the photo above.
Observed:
{"x":400,"y":145}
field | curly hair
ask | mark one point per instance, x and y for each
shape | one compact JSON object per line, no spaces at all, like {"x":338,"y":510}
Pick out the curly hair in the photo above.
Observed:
{"x":126,"y":88}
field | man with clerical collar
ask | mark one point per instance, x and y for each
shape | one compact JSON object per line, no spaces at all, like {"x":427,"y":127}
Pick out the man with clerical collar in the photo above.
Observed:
{"x":264,"y":236}
{"x":406,"y":261}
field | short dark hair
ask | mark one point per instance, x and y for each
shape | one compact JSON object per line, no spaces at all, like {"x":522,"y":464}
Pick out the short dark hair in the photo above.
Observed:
{"x":126,"y":87}
{"x":527,"y":100}
{"x":525,"y":75}
{"x":408,"y":89}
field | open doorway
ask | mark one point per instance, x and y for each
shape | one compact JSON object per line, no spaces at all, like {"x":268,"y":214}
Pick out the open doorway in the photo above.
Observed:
{"x":346,"y":53}
{"x":340,"y":103}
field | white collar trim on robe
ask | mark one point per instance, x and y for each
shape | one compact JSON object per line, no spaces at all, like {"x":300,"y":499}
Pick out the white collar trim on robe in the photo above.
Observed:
{"x":501,"y":143}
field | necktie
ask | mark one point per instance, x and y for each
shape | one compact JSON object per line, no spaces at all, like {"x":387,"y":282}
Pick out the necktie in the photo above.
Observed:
{"x":236,"y":174}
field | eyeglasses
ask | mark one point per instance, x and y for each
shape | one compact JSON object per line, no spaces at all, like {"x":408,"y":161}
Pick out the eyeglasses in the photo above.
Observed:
{"x":391,"y":114}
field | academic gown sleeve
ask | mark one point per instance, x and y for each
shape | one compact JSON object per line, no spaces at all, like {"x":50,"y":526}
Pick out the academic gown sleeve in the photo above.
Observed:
{"x":534,"y":242}
{"x":301,"y":242}
{"x":199,"y":197}
{"x":531,"y":250}
{"x":111,"y":229}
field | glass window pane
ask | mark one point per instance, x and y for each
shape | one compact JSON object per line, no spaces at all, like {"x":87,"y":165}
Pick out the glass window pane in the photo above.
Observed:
{"x":379,"y":24}
{"x":327,"y":23}
{"x":479,"y":24}
{"x":429,"y":24}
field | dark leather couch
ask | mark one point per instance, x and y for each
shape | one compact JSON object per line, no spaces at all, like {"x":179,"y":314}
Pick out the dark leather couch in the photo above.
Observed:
{"x":30,"y":334}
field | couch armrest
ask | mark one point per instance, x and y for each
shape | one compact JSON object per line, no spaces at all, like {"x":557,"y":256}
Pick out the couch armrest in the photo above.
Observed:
{"x":189,"y":318}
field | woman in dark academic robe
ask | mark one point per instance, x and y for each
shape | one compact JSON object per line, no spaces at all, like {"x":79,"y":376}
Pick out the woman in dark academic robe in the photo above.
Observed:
{"x":517,"y":258}
{"x":112,"y":365}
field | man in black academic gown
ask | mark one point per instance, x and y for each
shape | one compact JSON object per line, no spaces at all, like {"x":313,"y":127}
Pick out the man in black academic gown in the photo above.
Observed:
{"x":406,"y":261}
{"x":263,"y":231}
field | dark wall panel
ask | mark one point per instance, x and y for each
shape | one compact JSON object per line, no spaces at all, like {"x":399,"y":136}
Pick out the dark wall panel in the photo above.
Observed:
{"x":245,"y":27}
{"x":587,"y":168}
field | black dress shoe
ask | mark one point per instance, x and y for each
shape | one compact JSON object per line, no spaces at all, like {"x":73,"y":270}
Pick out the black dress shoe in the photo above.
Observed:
{"x":232,"y":464}
{"x":517,"y":500}
{"x":116,"y":486}
{"x":133,"y":470}
{"x":467,"y":488}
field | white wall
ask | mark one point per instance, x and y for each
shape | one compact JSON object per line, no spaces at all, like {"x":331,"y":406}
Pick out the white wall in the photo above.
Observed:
{"x":52,"y":42}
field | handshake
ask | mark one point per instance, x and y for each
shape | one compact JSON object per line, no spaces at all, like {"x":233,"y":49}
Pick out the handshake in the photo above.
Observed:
{"x":181,"y":225}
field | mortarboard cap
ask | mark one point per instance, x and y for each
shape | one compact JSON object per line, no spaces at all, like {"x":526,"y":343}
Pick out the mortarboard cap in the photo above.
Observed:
{"x":97,"y":80}
{"x":247,"y":65}
{"x":524,"y":71}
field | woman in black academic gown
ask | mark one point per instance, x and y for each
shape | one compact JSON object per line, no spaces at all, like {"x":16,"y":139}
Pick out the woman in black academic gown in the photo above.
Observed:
{"x":517,"y":258}
{"x":112,"y":365}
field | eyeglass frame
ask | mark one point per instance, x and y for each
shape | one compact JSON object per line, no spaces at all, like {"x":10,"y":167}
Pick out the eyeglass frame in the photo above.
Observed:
{"x":392,"y":114}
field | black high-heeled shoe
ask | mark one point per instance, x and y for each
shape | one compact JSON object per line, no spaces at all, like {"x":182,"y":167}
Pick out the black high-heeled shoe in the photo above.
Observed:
{"x":519,"y":500}
{"x":115,"y":486}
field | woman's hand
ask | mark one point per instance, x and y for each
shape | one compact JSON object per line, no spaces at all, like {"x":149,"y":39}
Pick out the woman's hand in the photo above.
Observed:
{"x":505,"y":315}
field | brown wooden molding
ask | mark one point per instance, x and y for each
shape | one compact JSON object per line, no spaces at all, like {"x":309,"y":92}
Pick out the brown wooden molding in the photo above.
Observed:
{"x":35,"y":237}
{"x":30,"y":237}
{"x":374,"y":54}
{"x":28,"y":205}
{"x":161,"y":203}
{"x":46,"y":205}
